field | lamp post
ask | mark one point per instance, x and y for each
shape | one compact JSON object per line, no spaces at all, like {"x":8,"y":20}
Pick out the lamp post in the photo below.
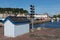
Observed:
{"x":32,"y":15}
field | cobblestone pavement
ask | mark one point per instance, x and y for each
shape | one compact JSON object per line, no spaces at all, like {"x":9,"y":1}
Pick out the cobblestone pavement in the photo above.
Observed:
{"x":44,"y":34}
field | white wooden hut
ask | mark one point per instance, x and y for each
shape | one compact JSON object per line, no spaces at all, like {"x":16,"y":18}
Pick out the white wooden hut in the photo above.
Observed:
{"x":15,"y":26}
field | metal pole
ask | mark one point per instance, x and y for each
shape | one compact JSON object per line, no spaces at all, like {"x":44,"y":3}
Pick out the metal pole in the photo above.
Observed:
{"x":32,"y":23}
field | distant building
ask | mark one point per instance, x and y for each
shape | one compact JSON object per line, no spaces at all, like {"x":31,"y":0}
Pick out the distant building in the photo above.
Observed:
{"x":5,"y":15}
{"x":15,"y":26}
{"x":10,"y":13}
{"x":41,"y":16}
{"x":36,"y":16}
{"x":21,"y":15}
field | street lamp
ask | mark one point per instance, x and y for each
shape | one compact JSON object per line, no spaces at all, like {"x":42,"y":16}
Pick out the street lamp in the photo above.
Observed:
{"x":32,"y":15}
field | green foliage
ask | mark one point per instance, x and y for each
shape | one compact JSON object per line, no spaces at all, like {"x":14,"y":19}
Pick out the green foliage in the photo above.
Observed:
{"x":13,"y":10}
{"x":56,"y":16}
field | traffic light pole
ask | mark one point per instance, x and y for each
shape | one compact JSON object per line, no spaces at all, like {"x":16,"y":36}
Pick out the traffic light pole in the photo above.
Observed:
{"x":32,"y":16}
{"x":32,"y":23}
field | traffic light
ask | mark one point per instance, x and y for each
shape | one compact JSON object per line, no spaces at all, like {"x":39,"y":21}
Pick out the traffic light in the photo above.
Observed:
{"x":32,"y":11}
{"x":32,"y":7}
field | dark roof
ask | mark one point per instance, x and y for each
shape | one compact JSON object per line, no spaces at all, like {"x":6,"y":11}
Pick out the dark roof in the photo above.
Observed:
{"x":17,"y":20}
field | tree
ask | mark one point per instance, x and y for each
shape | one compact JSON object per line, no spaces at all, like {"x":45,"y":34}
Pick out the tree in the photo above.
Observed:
{"x":13,"y":10}
{"x":58,"y":15}
{"x":25,"y":11}
{"x":54,"y":16}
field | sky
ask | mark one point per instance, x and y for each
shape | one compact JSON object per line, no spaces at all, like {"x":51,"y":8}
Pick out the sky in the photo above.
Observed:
{"x":52,"y":7}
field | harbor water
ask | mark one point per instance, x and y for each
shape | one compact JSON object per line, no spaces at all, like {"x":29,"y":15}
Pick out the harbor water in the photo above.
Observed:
{"x":48,"y":25}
